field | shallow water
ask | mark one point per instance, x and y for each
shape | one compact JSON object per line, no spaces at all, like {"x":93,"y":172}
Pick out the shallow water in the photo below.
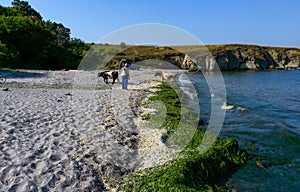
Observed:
{"x":265,"y":119}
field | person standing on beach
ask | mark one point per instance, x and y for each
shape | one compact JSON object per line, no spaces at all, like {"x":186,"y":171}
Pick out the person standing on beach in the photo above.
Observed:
{"x":125,"y":75}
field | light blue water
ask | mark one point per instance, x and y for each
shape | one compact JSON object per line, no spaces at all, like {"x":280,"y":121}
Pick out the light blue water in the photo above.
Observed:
{"x":266,"y":121}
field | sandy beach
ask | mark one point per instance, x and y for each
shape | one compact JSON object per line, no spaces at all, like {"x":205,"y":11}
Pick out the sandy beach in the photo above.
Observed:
{"x":68,"y":130}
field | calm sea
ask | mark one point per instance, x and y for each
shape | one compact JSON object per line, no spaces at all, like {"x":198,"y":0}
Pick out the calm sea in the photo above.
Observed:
{"x":265,"y":119}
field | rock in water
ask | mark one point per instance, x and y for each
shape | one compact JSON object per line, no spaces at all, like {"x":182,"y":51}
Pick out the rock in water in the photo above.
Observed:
{"x":260,"y":165}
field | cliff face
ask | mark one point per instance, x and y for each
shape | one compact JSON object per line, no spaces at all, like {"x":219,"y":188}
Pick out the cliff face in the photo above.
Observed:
{"x":208,"y":57}
{"x":182,"y":61}
{"x":248,"y":57}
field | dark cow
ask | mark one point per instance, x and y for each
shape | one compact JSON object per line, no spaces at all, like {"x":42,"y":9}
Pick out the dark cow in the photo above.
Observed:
{"x":109,"y":75}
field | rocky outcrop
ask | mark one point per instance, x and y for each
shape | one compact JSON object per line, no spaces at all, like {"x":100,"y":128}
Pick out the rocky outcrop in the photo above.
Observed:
{"x":182,"y":61}
{"x":239,"y":57}
{"x":248,"y":57}
{"x":209,"y":57}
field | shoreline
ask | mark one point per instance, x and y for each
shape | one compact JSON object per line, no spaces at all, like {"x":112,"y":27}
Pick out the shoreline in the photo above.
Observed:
{"x":62,"y":139}
{"x":188,"y":169}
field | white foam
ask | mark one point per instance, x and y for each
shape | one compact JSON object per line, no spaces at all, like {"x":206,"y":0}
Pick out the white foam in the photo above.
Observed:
{"x":186,"y":85}
{"x":225,"y":106}
{"x":183,"y":79}
{"x":241,"y":109}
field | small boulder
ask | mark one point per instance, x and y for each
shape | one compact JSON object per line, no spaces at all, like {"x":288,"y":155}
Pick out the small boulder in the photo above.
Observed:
{"x":260,"y":165}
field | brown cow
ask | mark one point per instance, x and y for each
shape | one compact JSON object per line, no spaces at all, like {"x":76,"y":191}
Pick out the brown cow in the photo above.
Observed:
{"x":109,"y":75}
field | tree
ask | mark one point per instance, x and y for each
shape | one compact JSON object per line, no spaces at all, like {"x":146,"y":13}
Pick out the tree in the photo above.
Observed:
{"x":61,"y":33}
{"x":26,"y":41}
{"x":76,"y":51}
{"x":123,"y":45}
{"x":27,"y":9}
{"x":4,"y":55}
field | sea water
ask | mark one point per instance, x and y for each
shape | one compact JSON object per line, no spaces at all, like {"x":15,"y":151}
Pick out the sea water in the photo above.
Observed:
{"x":263,"y":114}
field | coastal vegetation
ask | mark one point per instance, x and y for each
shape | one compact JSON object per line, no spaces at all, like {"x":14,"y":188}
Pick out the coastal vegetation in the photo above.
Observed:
{"x":192,"y":170}
{"x":29,"y":42}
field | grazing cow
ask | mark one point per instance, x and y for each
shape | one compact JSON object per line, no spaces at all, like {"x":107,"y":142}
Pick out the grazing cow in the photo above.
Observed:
{"x":109,"y":75}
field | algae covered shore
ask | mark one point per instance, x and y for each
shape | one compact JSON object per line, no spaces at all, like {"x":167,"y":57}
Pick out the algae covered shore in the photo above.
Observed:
{"x":191,"y":170}
{"x":66,"y":138}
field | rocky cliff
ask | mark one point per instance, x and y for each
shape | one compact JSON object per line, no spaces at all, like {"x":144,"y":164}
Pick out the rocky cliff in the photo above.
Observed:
{"x":208,"y":57}
{"x":243,"y":57}
{"x":253,"y":57}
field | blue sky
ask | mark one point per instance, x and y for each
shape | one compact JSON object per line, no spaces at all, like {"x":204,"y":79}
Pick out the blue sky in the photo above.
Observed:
{"x":262,"y":22}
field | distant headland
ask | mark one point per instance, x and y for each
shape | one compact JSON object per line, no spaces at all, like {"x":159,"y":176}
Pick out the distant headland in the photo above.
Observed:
{"x":228,"y":57}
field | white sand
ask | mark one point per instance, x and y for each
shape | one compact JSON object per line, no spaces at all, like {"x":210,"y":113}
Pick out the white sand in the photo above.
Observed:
{"x":57,"y":138}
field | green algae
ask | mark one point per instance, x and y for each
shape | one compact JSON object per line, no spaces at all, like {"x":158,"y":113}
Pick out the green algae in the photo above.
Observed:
{"x":192,"y":170}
